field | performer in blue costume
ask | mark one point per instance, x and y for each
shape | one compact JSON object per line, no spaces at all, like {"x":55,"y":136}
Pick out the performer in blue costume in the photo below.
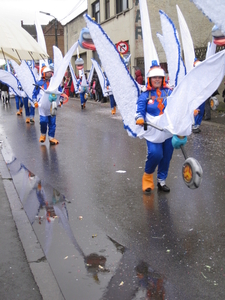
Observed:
{"x":19,"y":102}
{"x":154,"y":101}
{"x":46,"y":118}
{"x":29,"y":110}
{"x":83,"y":88}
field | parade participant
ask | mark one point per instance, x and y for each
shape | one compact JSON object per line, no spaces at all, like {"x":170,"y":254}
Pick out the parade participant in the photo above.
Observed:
{"x":19,"y":102}
{"x":46,"y":118}
{"x":111,"y":97}
{"x":112,"y":104}
{"x":19,"y":105}
{"x":83,"y":87}
{"x":154,"y":101}
{"x":29,"y":110}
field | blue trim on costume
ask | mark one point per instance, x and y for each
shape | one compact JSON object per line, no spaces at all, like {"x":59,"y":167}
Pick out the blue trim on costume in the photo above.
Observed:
{"x":90,"y":19}
{"x":178,"y":44}
{"x":32,"y":73}
{"x":126,"y":127}
{"x":9,"y":86}
{"x":185,"y":70}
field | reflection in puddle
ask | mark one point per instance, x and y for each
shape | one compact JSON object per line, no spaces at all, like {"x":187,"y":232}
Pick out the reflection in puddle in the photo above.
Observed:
{"x":114,"y":272}
{"x":150,"y":282}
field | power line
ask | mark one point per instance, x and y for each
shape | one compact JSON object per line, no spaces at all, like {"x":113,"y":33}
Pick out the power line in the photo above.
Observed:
{"x":75,"y":7}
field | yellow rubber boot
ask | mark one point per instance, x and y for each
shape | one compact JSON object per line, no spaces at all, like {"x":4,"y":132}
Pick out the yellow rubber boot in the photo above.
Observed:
{"x":114,"y":110}
{"x":27,"y":120}
{"x":18,"y":113}
{"x":147,"y":182}
{"x":42,"y":138}
{"x":53,"y":141}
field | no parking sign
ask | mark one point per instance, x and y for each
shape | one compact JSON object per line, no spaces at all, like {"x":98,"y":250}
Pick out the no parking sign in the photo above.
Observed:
{"x":122,"y":47}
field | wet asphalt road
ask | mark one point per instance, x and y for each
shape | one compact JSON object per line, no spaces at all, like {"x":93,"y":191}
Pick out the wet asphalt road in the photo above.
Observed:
{"x":106,"y":231}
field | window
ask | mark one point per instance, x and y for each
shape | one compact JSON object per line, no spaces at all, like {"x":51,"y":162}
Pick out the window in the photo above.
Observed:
{"x":121,"y":5}
{"x":96,"y":11}
{"x":107,"y":9}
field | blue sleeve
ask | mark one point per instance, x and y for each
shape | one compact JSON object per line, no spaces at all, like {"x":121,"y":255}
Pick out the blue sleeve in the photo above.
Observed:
{"x":36,"y":90}
{"x":141,"y":105}
{"x":60,"y":88}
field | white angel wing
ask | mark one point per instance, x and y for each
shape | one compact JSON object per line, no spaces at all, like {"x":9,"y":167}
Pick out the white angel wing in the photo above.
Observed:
{"x":214,"y":10}
{"x":60,"y":71}
{"x":41,"y":42}
{"x":172,"y":48}
{"x":40,"y":34}
{"x":192,"y":91}
{"x":91,"y":74}
{"x":75,"y":83}
{"x":148,"y":45}
{"x":198,"y":85}
{"x":9,"y":79}
{"x":188,"y":47}
{"x":25,"y":77}
{"x":58,"y":57}
{"x":101,"y":78}
{"x":211,"y":49}
{"x":125,"y":89}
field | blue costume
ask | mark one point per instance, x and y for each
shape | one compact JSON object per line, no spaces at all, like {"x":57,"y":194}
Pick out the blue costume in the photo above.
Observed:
{"x":159,"y":154}
{"x":19,"y":105}
{"x":46,"y":119}
{"x":83,"y":91}
{"x":29,"y":110}
{"x":111,"y":99}
{"x":153,"y":102}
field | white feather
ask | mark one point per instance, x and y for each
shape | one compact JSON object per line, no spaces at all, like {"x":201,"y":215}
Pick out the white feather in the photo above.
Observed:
{"x":214,"y":10}
{"x":25,"y":77}
{"x":188,"y":47}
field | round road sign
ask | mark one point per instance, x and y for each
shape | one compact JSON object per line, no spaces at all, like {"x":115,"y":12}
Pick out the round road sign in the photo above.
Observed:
{"x":122,"y":47}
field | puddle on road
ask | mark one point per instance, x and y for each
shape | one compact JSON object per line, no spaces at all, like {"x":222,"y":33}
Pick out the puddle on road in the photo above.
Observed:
{"x":99,"y":269}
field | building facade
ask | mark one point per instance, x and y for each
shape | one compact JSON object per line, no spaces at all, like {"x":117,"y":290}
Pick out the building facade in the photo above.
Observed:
{"x":121,"y":20}
{"x":53,"y":32}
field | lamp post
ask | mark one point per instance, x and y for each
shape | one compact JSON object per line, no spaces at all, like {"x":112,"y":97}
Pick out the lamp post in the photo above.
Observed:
{"x":56,"y":26}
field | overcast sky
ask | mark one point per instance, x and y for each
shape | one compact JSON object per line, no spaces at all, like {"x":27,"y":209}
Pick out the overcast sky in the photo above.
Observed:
{"x":25,"y":10}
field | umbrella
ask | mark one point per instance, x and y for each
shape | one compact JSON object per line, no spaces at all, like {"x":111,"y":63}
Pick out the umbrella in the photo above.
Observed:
{"x":17,"y":44}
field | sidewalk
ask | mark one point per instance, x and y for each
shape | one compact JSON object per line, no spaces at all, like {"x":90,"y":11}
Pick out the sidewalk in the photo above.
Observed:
{"x":24,"y":273}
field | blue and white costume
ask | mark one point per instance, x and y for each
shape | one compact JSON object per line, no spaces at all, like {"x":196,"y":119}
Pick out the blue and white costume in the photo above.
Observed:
{"x":44,"y":105}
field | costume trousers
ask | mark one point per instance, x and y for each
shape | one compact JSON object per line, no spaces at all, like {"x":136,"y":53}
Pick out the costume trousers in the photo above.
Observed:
{"x":19,"y":102}
{"x":82,"y":100}
{"x":50,"y":122}
{"x":198,"y":118}
{"x":29,"y":110}
{"x":112,"y":101}
{"x":159,"y":154}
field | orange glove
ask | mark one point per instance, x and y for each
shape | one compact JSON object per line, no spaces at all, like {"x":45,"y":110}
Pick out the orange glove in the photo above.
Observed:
{"x":140,"y":122}
{"x":196,"y":112}
{"x":35,"y":104}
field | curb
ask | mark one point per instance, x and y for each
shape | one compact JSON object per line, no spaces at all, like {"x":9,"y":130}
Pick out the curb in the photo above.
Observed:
{"x":36,"y":259}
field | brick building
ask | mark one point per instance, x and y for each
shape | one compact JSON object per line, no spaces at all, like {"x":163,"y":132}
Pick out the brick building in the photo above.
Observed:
{"x":49,"y":31}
